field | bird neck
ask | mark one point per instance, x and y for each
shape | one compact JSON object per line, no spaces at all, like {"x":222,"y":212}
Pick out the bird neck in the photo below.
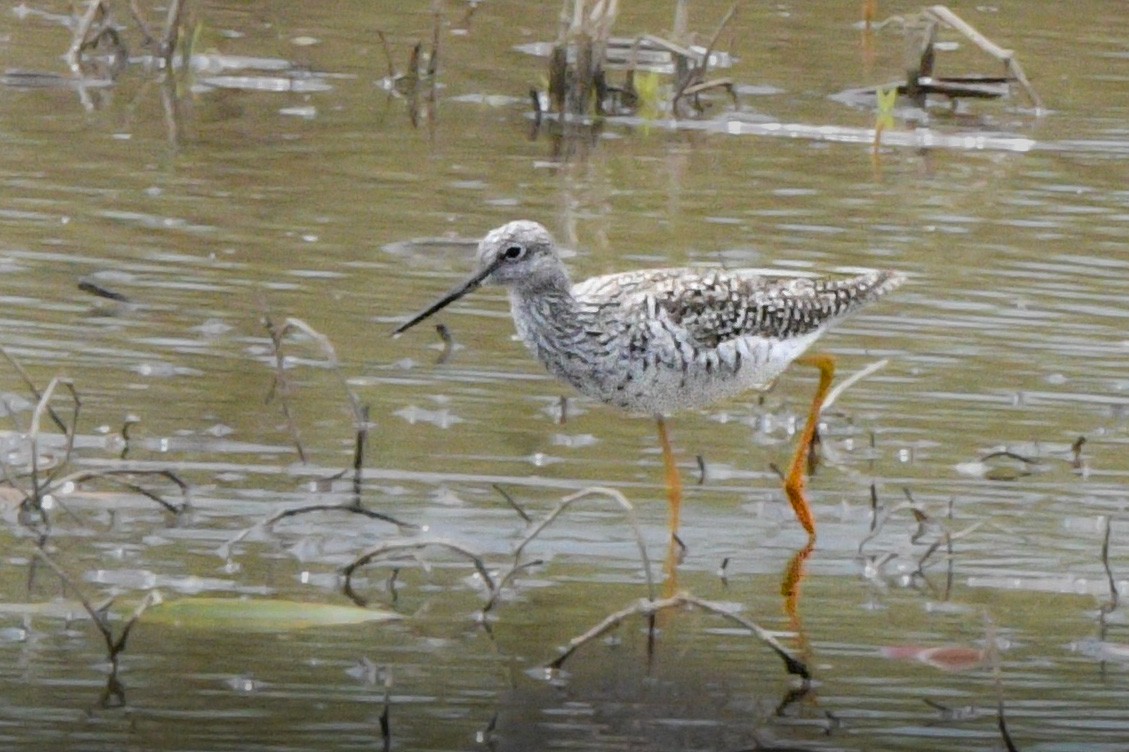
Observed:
{"x":544,"y":312}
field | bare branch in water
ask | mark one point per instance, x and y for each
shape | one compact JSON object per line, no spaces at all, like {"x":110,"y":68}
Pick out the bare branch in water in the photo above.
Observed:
{"x":648,"y":607}
{"x":391,"y":547}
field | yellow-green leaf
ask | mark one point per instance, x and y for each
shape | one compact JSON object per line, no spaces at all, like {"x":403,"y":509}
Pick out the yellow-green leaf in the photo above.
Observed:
{"x":258,"y":614}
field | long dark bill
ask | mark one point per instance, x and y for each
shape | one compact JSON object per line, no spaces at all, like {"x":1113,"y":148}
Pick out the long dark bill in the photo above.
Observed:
{"x":457,"y":292}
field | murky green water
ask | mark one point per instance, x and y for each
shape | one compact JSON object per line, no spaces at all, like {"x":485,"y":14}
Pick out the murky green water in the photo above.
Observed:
{"x":212,"y":202}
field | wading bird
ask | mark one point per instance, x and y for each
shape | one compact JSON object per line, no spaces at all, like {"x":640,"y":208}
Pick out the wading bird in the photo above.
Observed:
{"x":654,"y":341}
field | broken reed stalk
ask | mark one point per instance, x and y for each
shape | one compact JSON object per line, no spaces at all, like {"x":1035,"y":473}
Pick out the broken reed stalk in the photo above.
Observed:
{"x":387,"y":54}
{"x":437,"y":22}
{"x":649,"y":607}
{"x":693,"y":80}
{"x":851,"y":380}
{"x":448,"y":343}
{"x":578,"y":87}
{"x":42,"y":486}
{"x":140,"y":21}
{"x":943,"y":15}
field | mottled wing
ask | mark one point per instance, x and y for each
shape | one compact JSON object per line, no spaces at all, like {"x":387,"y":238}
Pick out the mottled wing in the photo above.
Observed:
{"x":713,"y":306}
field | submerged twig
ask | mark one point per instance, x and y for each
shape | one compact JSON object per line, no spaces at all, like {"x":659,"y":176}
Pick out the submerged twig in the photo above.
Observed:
{"x":513,"y":504}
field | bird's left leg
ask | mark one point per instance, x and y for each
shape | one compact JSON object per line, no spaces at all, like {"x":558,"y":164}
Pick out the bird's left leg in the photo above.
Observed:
{"x":795,"y":480}
{"x":673,"y":479}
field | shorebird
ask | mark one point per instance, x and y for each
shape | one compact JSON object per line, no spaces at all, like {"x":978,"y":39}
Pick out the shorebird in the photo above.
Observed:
{"x":655,"y":341}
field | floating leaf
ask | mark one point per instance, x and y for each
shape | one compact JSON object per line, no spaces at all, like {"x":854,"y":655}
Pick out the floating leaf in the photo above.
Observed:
{"x":945,"y":658}
{"x":258,"y":614}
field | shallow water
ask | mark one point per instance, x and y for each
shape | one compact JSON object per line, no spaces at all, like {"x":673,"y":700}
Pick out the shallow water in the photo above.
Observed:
{"x":295,"y":184}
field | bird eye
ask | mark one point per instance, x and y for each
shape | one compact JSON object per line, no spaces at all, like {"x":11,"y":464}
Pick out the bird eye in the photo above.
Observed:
{"x":514,"y":252}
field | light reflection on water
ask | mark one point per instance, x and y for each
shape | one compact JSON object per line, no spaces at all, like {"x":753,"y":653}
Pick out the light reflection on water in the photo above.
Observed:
{"x":1010,"y":335}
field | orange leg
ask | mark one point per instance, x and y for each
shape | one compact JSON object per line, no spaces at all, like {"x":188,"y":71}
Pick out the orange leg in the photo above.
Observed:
{"x":794,"y":575}
{"x":673,"y":479}
{"x":795,"y":481}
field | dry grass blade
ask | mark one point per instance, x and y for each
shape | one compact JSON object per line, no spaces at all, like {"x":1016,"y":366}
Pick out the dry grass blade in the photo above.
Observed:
{"x":648,"y":607}
{"x":853,"y":379}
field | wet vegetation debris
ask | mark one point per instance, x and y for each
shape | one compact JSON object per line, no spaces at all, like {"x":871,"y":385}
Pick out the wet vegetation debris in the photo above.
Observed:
{"x":41,"y":479}
{"x":921,"y":81}
{"x":98,"y":50}
{"x":584,"y":51}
